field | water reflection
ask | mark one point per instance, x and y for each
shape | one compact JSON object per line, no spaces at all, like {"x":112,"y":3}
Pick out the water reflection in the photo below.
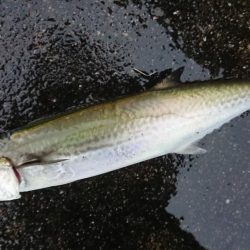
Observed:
{"x":212,"y":198}
{"x":56,"y":56}
{"x":207,"y":31}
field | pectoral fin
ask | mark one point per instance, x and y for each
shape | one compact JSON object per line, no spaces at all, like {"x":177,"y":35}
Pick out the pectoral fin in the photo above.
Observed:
{"x":191,"y":149}
{"x":41,"y":161}
{"x":45,"y":162}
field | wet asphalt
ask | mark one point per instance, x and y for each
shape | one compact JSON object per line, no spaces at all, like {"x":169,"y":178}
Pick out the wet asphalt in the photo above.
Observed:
{"x":60,"y":55}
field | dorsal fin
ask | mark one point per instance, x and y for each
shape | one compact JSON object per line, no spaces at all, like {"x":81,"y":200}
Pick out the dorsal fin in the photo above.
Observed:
{"x":164,"y":84}
{"x":167,"y":82}
{"x":172,"y":79}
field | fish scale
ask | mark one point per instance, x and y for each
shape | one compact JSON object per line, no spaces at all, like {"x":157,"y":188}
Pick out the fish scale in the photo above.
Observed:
{"x":113,"y":135}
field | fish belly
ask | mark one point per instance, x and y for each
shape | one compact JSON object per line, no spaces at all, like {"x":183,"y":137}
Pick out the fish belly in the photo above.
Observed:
{"x":89,"y":164}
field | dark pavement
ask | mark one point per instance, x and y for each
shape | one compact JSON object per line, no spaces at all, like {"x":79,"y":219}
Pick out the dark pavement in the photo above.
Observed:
{"x":60,"y":55}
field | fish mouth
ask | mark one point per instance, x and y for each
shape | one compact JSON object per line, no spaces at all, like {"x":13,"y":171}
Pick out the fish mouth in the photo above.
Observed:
{"x":10,"y":180}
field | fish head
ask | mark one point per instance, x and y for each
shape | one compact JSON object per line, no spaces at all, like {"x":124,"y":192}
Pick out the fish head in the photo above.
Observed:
{"x":9,"y":181}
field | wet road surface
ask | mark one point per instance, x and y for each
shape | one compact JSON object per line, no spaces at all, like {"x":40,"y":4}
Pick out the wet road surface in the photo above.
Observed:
{"x":59,"y":55}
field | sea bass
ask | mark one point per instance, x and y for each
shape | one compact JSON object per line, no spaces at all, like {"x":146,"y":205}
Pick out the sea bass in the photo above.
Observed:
{"x":109,"y":136}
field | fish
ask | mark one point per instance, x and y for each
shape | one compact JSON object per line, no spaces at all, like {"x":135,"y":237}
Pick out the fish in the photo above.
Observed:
{"x":112,"y":135}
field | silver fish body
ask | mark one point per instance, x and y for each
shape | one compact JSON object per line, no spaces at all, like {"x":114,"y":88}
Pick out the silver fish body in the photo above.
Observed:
{"x":110,"y":136}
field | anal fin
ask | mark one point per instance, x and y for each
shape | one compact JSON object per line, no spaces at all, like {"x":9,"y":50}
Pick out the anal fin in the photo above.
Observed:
{"x":191,"y":149}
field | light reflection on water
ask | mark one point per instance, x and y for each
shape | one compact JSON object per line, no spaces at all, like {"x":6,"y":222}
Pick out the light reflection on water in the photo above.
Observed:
{"x":212,"y":200}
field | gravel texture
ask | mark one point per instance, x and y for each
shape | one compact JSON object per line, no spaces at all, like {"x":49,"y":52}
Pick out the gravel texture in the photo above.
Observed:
{"x":59,"y":55}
